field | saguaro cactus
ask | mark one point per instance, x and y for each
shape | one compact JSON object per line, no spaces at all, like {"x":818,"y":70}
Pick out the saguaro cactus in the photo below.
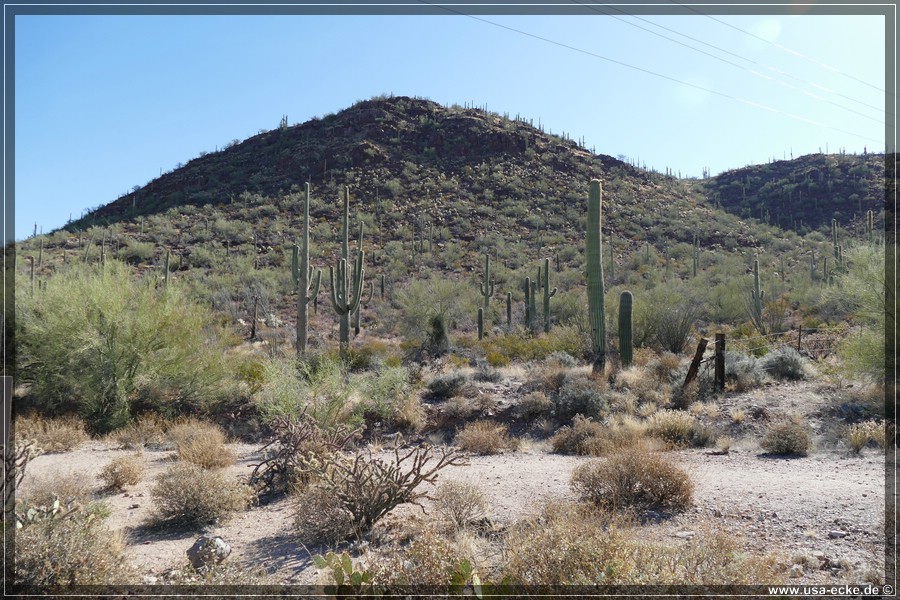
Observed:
{"x":509,"y":309}
{"x":487,"y":286}
{"x":346,"y":285}
{"x":594,"y":253}
{"x":307,"y":289}
{"x":626,"y":301}
{"x":547,"y":295}
{"x":480,"y":322}
{"x":756,"y":296}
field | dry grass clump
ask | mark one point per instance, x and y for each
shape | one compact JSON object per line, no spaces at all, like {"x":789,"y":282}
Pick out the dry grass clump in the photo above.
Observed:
{"x":662,"y":367}
{"x":645,"y":384}
{"x":187,"y":494}
{"x":679,"y":428}
{"x":485,"y":438}
{"x":67,"y":488}
{"x":122,"y":471}
{"x":634,"y":477}
{"x":201,"y":443}
{"x":52,"y":435}
{"x":70,"y":552}
{"x":859,"y":435}
{"x":788,"y":439}
{"x":460,"y":503}
{"x":430,"y":558}
{"x":146,"y":431}
{"x":590,"y":438}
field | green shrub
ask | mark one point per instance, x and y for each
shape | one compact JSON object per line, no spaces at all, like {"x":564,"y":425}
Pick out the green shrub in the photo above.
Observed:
{"x":95,"y":355}
{"x":787,"y":438}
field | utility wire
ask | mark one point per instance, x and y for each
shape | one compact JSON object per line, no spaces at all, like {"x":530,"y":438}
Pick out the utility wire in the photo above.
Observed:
{"x":780,"y":47}
{"x":653,"y":73}
{"x":742,"y":67}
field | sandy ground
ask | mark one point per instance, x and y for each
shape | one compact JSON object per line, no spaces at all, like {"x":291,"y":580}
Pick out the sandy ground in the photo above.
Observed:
{"x":828,"y":505}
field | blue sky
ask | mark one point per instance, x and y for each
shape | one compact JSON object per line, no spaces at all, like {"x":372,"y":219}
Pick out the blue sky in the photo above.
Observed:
{"x":105,"y":103}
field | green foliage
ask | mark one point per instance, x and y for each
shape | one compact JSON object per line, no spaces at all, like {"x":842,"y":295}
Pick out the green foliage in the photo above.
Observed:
{"x":579,"y":394}
{"x":95,"y":340}
{"x":784,"y":363}
{"x":423,"y":299}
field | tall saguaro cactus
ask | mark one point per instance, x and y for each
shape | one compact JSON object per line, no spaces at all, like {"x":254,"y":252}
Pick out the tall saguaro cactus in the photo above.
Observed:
{"x":547,"y":295}
{"x":756,"y":296}
{"x":594,"y":253}
{"x":626,"y":349}
{"x":307,"y":290}
{"x":346,"y":284}
{"x":487,"y":286}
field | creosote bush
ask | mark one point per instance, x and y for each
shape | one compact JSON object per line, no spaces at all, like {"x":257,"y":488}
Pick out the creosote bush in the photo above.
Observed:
{"x":122,"y":471}
{"x":634,"y":477}
{"x":788,"y":438}
{"x":187,"y":494}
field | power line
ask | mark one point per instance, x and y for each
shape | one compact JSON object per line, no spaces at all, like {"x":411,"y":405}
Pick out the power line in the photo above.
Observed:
{"x":742,"y":67}
{"x":655,"y":74}
{"x":780,"y":47}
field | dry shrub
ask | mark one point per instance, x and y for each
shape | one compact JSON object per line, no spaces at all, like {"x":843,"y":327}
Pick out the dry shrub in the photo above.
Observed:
{"x":148,"y":430}
{"x":662,"y":367}
{"x":122,"y":471}
{"x":67,"y":488}
{"x":860,"y":435}
{"x":368,"y":488}
{"x":187,"y":494}
{"x":201,"y":443}
{"x":789,"y":439}
{"x":535,"y":405}
{"x":460,"y":503}
{"x":577,"y":544}
{"x":320,"y":517}
{"x":568,"y":544}
{"x":589,"y":438}
{"x":52,"y":435}
{"x":430,"y":558}
{"x":460,"y":407}
{"x":484,"y":437}
{"x":634,"y":477}
{"x":679,"y":428}
{"x":71,"y":551}
{"x":644,"y":383}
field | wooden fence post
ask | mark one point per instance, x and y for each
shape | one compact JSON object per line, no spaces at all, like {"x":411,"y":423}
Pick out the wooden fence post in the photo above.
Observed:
{"x":720,"y":362}
{"x":695,"y":364}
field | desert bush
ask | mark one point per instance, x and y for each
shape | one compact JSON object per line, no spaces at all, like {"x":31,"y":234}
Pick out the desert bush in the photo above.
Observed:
{"x":201,"y":443}
{"x":52,"y":435}
{"x":483,"y":437}
{"x":424,"y":299}
{"x":787,"y":438}
{"x":561,"y":359}
{"x":784,"y":363}
{"x":568,"y":544}
{"x":679,"y":428}
{"x":447,"y":385}
{"x":674,"y":311}
{"x":634,"y":477}
{"x":662,"y":366}
{"x":44,"y":490}
{"x":320,"y":517}
{"x":860,"y":435}
{"x":73,"y":551}
{"x":147,"y":430}
{"x":523,"y":346}
{"x":122,"y":471}
{"x":460,"y":503}
{"x":534,"y":405}
{"x":430,"y":559}
{"x":579,"y":394}
{"x":484,"y":372}
{"x":368,"y":488}
{"x":743,"y":370}
{"x":93,"y":357}
{"x":187,"y":494}
{"x":296,"y":442}
{"x":583,"y":437}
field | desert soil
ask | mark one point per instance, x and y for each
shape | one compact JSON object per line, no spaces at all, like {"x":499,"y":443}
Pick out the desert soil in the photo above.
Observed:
{"x":828,"y":506}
